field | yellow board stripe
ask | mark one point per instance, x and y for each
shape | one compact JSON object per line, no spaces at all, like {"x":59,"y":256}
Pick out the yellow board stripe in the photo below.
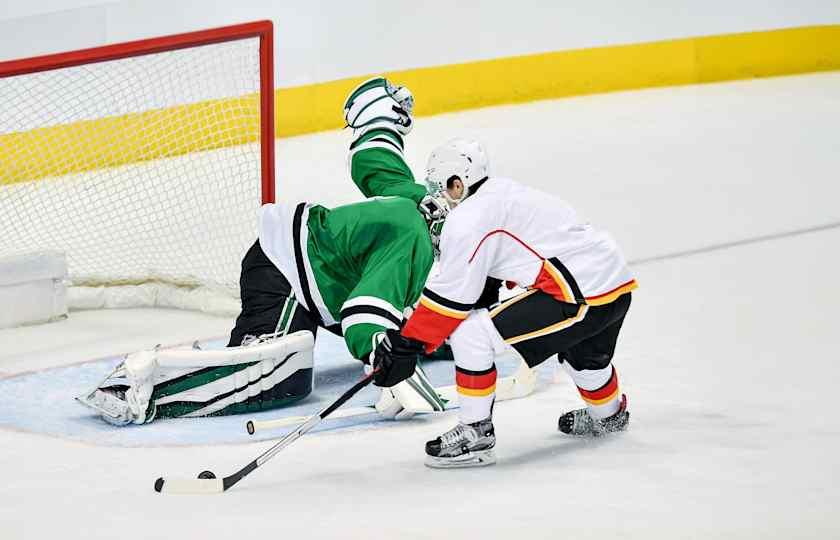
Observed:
{"x":316,"y":107}
{"x":477,"y":393}
{"x":133,"y":138}
{"x":550,"y":329}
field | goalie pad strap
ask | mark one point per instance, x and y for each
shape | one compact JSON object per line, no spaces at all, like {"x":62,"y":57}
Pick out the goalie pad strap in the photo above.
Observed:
{"x":300,"y":341}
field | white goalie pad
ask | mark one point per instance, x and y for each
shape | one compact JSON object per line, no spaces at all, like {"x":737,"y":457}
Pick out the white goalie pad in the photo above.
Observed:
{"x":265,"y":347}
{"x":123,"y":396}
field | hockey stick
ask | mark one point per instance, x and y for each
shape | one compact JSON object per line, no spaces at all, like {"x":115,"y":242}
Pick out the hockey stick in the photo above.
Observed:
{"x":520,"y":384}
{"x":207,"y":481}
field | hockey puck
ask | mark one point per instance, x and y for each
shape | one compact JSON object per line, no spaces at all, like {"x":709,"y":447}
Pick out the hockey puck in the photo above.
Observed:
{"x":203,"y":475}
{"x":250,"y":427}
{"x":159,"y":484}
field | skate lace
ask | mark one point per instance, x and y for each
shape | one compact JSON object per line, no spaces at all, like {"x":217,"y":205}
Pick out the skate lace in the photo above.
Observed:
{"x":454,"y":435}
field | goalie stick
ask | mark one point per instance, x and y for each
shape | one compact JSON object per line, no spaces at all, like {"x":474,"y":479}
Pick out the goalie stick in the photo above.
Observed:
{"x":520,"y":384}
{"x":207,"y":481}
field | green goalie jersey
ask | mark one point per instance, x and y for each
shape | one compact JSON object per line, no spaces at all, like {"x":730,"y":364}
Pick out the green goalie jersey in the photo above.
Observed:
{"x":378,"y":167}
{"x":357,"y":266}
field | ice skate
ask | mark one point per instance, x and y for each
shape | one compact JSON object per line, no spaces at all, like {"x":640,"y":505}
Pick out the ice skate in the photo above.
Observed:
{"x":465,"y":445}
{"x":578,"y":422}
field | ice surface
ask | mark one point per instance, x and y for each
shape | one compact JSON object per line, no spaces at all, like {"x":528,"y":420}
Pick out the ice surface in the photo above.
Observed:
{"x":729,"y":357}
{"x":43,"y":402}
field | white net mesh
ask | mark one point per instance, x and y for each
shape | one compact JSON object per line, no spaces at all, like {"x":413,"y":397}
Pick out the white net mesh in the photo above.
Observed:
{"x":140,"y":169}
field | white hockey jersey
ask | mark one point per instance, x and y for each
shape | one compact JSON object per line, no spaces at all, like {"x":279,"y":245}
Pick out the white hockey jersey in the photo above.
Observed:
{"x":517,"y":234}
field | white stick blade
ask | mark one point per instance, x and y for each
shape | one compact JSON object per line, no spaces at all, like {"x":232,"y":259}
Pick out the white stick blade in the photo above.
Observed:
{"x":262,"y":425}
{"x":195,"y":486}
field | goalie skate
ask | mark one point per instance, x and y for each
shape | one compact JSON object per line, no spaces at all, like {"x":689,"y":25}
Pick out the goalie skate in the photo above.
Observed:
{"x":465,"y":445}
{"x":109,"y":403}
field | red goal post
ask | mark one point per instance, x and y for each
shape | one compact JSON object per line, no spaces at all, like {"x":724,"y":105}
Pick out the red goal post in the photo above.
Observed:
{"x":98,"y":131}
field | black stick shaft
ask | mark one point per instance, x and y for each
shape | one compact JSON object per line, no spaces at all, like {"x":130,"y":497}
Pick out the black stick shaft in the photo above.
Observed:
{"x":298,"y":432}
{"x":346,"y":395}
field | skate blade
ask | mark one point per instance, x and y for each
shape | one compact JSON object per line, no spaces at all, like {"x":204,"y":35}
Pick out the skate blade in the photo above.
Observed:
{"x":482,"y":458}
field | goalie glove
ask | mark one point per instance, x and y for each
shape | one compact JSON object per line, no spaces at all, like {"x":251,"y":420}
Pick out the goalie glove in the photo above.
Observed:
{"x":376,"y":103}
{"x":434,"y":211}
{"x":412,"y":396}
{"x":433,"y":208}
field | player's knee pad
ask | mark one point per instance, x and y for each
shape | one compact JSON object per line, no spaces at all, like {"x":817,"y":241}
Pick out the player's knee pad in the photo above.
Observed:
{"x":476,"y":342}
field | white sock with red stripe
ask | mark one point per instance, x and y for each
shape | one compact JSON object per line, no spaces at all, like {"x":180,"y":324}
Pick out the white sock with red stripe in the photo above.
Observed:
{"x":598,"y":388}
{"x":476,"y":392}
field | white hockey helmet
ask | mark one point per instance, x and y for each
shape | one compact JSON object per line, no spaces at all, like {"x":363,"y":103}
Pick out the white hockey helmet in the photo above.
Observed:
{"x":460,"y":158}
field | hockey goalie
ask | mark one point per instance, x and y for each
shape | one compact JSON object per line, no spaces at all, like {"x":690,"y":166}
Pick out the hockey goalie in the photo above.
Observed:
{"x":352,"y":270}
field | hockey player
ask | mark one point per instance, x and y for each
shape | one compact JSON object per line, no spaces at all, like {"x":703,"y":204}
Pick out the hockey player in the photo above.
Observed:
{"x":352,"y":270}
{"x":578,"y":293}
{"x":380,"y":115}
{"x":378,"y":173}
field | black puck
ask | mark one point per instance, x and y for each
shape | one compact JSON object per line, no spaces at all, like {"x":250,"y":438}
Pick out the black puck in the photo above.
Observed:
{"x":159,"y":484}
{"x":250,"y":427}
{"x":203,"y":475}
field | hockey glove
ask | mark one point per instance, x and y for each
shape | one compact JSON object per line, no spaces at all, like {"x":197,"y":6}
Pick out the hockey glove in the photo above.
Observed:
{"x":395,"y":357}
{"x":433,"y":208}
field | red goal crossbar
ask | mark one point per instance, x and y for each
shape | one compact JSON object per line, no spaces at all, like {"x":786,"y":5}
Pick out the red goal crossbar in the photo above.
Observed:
{"x":259,"y":29}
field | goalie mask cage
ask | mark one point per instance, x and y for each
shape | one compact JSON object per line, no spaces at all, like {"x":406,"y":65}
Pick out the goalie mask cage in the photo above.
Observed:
{"x":145,"y":162}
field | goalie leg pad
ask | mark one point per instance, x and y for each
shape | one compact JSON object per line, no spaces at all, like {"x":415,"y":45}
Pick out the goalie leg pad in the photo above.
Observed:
{"x":267,"y":373}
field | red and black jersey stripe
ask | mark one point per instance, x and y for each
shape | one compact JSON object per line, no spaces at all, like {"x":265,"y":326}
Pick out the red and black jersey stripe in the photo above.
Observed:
{"x":446,"y":303}
{"x":435,"y":318}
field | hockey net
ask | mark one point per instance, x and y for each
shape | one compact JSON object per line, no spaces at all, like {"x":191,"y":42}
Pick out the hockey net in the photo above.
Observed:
{"x":144,"y":162}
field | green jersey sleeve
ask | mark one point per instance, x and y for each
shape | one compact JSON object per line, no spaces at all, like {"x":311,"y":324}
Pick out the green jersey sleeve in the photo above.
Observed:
{"x":378,"y":168}
{"x":391,"y":281}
